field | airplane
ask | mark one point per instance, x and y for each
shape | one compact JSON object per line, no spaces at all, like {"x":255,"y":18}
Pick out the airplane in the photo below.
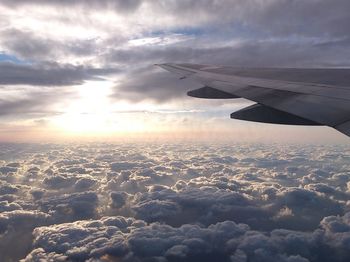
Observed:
{"x":290,"y":96}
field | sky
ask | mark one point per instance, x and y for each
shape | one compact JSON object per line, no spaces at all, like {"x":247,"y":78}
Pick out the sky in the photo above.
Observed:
{"x":103,"y":157}
{"x":82,"y":70}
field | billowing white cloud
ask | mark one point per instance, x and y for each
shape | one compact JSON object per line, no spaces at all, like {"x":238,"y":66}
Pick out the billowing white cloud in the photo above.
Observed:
{"x":183,"y":202}
{"x":127,"y":238}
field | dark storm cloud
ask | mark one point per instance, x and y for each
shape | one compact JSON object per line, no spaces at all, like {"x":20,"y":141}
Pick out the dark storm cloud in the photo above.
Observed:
{"x":48,"y":74}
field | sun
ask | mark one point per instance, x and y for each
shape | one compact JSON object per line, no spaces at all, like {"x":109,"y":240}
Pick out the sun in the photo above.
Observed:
{"x":94,"y":113}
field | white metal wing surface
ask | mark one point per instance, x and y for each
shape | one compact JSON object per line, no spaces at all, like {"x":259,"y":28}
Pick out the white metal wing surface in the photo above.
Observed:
{"x":283,"y":95}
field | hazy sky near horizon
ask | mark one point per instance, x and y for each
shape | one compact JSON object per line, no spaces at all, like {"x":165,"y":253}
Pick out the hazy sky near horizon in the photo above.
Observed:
{"x":84,"y":69}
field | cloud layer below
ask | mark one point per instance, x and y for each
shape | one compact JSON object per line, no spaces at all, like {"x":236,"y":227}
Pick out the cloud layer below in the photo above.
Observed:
{"x":174,"y":202}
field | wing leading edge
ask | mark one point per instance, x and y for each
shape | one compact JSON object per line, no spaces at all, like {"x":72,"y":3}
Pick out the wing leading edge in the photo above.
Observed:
{"x":283,"y":96}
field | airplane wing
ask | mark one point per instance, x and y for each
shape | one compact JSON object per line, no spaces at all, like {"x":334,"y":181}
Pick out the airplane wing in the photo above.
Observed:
{"x":282,"y":95}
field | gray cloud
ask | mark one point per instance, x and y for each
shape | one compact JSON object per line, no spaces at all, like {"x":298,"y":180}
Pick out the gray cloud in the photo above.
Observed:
{"x":48,"y":74}
{"x":15,"y":231}
{"x":118,"y":5}
{"x":151,"y":84}
{"x":275,"y":17}
{"x":253,"y":33}
{"x":71,"y":206}
{"x":84,"y":183}
{"x":26,"y":107}
{"x":119,"y":199}
{"x":35,"y":103}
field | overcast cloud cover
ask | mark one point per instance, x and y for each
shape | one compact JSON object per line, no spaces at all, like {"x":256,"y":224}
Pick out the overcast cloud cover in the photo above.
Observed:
{"x":63,"y":45}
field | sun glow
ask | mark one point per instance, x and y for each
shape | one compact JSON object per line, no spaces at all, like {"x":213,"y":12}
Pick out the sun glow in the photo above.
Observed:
{"x":93,"y":113}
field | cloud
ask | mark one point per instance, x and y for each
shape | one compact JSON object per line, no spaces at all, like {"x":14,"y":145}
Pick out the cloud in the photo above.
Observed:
{"x":118,"y":199}
{"x":118,"y":41}
{"x":288,"y":17}
{"x":120,"y":237}
{"x":32,"y":104}
{"x":157,"y":210}
{"x":6,"y":206}
{"x":84,"y":183}
{"x":117,"y":5}
{"x":71,"y":206}
{"x":108,"y":232}
{"x":22,"y":218}
{"x":6,"y":188}
{"x":40,"y":254}
{"x":185,"y":202}
{"x":16,"y":231}
{"x":8,"y":169}
{"x":151,"y":84}
{"x":58,"y":181}
{"x":48,"y":74}
{"x":37,"y":193}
